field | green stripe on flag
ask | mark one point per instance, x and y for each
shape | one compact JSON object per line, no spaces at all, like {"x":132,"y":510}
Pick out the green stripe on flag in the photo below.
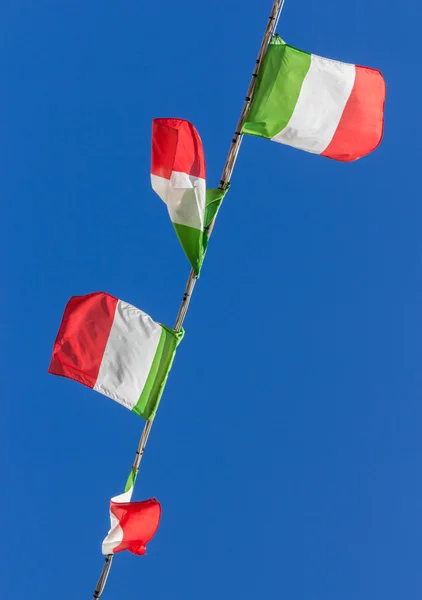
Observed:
{"x":213,"y":203}
{"x":277,"y":89}
{"x":215,"y":198}
{"x":194,"y":242}
{"x":131,"y":480}
{"x":191,"y":240}
{"x":149,"y":399}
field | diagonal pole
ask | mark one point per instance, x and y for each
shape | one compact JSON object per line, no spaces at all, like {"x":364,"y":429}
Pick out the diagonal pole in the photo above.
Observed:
{"x":225,"y":179}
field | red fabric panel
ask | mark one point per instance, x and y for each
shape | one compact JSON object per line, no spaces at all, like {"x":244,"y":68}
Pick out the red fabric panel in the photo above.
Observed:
{"x":176,"y":146}
{"x":82,"y":338}
{"x":361,"y":126}
{"x":139,"y":521}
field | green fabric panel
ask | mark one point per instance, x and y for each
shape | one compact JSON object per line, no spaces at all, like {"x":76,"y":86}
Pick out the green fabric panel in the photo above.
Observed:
{"x":131,"y":480}
{"x":191,"y":240}
{"x":278,"y":85}
{"x":178,"y":335}
{"x":213,"y":203}
{"x":194,"y":242}
{"x":149,"y":399}
{"x":215,"y":198}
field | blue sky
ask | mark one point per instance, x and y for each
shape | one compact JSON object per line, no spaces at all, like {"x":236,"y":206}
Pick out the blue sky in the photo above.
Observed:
{"x":287,"y":452}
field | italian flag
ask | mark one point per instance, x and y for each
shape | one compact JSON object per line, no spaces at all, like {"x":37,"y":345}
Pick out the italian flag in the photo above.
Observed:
{"x":115,"y":349}
{"x":132,"y":524}
{"x":178,"y":177}
{"x":316,"y":104}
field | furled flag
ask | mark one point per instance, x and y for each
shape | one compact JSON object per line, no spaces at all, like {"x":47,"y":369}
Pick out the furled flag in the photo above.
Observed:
{"x":178,"y":177}
{"x":132,"y":524}
{"x":317,"y":104}
{"x":116,"y":349}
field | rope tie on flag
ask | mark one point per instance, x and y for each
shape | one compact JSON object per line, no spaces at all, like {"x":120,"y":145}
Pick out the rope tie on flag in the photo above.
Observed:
{"x":224,"y":182}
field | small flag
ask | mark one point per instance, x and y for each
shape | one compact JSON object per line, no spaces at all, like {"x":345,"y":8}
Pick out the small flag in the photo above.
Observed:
{"x":132,"y":524}
{"x":317,"y":104}
{"x":115,"y":349}
{"x":178,"y":177}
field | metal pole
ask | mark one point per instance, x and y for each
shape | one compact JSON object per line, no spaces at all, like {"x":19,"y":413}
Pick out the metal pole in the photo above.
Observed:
{"x":225,"y":179}
{"x":103,"y":577}
{"x":237,"y":140}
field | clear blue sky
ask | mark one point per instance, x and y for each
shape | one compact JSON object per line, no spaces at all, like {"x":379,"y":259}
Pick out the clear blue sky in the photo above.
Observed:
{"x":287,"y":450}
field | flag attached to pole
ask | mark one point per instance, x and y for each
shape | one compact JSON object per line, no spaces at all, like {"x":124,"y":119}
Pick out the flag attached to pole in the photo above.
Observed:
{"x":116,"y":349}
{"x":178,"y":177}
{"x":132,"y":524}
{"x":316,"y":104}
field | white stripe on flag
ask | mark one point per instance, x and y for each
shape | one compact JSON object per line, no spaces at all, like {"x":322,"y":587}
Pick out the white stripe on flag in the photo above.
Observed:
{"x":128,"y":356}
{"x":325,"y":91}
{"x":114,"y":536}
{"x":185,"y":197}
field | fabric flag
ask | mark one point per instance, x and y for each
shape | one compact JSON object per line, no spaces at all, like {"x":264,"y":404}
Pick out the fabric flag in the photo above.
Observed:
{"x":116,"y":349}
{"x":178,"y":177}
{"x":317,"y":104}
{"x":132,"y":524}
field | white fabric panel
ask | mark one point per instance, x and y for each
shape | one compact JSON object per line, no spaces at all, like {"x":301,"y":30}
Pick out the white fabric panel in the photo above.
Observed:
{"x":325,"y":91}
{"x":115,"y":533}
{"x":185,"y":197}
{"x":128,"y":356}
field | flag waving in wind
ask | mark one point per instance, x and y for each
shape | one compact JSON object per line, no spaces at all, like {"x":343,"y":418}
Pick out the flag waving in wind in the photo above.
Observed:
{"x":132,"y":524}
{"x":178,"y":177}
{"x":316,"y":104}
{"x":115,"y":349}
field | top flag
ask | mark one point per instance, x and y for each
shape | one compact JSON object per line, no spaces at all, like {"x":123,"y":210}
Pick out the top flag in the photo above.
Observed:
{"x":178,"y":177}
{"x":115,"y":349}
{"x":316,"y":104}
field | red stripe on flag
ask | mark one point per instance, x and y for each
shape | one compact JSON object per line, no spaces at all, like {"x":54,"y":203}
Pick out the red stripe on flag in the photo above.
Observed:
{"x":362,"y":123}
{"x":139,"y":522}
{"x":176,"y":146}
{"x":82,"y":337}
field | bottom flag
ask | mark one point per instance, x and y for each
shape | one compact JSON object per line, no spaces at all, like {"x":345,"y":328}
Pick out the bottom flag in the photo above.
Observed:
{"x":133,"y":524}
